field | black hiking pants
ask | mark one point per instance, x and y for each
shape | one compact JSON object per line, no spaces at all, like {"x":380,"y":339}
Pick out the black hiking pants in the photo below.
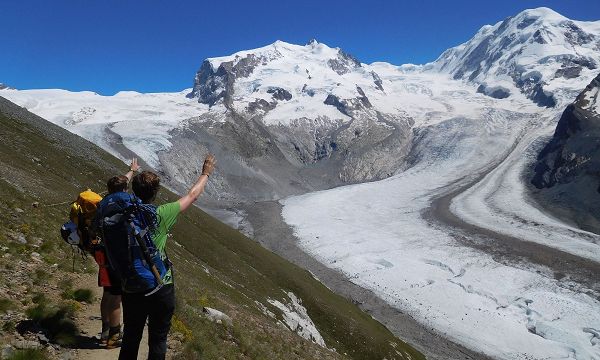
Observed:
{"x":158,"y":308}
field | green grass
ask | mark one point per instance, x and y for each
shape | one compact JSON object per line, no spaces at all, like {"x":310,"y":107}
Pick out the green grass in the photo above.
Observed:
{"x":41,"y":277}
{"x":216,"y":265}
{"x":69,"y":293}
{"x":5,"y":305}
{"x":56,"y":320}
{"x":85,"y":295}
{"x":28,"y":354}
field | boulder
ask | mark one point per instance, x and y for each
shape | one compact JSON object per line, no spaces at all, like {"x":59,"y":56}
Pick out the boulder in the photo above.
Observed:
{"x":216,"y":316}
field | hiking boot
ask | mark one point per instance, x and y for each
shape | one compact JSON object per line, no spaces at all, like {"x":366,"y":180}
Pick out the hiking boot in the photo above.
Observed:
{"x":104,"y":335}
{"x":114,"y":341}
{"x":103,"y":338}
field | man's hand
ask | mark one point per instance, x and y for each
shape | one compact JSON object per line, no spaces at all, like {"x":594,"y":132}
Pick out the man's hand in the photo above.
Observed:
{"x":132,"y":169}
{"x":187,"y":200}
{"x":209,"y":165}
{"x":134,"y":165}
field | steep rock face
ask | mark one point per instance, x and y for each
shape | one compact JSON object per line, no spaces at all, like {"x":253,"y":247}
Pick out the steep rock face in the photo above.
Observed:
{"x":574,"y":150}
{"x":212,"y":85}
{"x":350,"y":106}
{"x":343,"y":63}
{"x":532,"y":52}
{"x":280,"y":94}
{"x":259,"y":162}
{"x":568,"y":167}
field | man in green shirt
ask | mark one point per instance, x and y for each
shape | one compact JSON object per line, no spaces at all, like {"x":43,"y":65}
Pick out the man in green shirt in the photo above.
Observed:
{"x":156,"y":307}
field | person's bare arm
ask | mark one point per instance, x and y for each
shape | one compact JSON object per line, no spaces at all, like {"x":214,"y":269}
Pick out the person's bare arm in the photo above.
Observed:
{"x":132,"y":169}
{"x":209,"y":165}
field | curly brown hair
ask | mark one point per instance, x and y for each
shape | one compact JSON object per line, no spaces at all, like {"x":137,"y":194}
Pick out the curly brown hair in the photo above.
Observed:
{"x":145,"y":186}
{"x":117,"y":183}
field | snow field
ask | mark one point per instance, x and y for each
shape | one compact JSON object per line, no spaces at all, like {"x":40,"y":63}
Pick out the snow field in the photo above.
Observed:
{"x":375,"y":234}
{"x":142,"y":120}
{"x":296,"y":318}
{"x":499,"y":202}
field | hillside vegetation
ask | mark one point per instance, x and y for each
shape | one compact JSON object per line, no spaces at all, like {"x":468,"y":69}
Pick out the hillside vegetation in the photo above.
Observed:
{"x":44,"y":167}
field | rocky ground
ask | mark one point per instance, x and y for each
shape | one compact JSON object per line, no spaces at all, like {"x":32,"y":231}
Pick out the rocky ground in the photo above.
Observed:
{"x":36,"y":295}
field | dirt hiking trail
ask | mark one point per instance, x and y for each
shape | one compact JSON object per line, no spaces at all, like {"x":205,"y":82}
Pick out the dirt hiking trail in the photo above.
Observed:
{"x":89,"y":324}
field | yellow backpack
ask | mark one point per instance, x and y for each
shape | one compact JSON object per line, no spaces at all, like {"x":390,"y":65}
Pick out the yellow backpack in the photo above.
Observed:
{"x":82,"y":215}
{"x":84,"y":208}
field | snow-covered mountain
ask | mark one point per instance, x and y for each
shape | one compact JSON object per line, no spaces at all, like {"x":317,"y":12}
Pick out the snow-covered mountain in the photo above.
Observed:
{"x":286,"y":82}
{"x":286,"y":119}
{"x":268,"y":113}
{"x":285,"y":108}
{"x":350,"y":125}
{"x":537,"y":52}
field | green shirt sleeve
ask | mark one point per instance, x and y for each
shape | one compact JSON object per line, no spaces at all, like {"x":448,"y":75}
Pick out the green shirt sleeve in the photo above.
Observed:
{"x":167,"y":215}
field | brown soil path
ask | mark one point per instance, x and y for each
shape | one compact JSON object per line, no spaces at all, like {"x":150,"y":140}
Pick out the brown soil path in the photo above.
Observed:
{"x":88,"y":321}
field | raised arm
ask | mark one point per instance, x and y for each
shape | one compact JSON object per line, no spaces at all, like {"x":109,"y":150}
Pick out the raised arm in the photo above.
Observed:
{"x":132,"y":169}
{"x":198,"y":188}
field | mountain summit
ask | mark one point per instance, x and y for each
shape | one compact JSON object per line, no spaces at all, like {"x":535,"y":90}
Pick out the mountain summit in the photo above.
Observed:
{"x":536,"y":52}
{"x":287,"y":81}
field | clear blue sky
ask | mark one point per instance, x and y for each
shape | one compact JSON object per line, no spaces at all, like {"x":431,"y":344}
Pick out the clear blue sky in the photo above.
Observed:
{"x":151,"y":45}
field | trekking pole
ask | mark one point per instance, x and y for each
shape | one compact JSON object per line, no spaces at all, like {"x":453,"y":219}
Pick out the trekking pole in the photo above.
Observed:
{"x":139,"y":237}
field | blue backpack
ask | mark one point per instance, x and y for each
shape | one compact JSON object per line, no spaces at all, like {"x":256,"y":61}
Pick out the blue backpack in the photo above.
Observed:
{"x":125,"y":226}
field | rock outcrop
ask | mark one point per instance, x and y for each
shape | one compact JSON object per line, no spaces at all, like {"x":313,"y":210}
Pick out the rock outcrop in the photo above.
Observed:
{"x":568,"y":167}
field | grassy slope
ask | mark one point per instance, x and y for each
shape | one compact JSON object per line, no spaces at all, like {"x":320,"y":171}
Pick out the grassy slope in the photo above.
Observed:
{"x":215,"y":265}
